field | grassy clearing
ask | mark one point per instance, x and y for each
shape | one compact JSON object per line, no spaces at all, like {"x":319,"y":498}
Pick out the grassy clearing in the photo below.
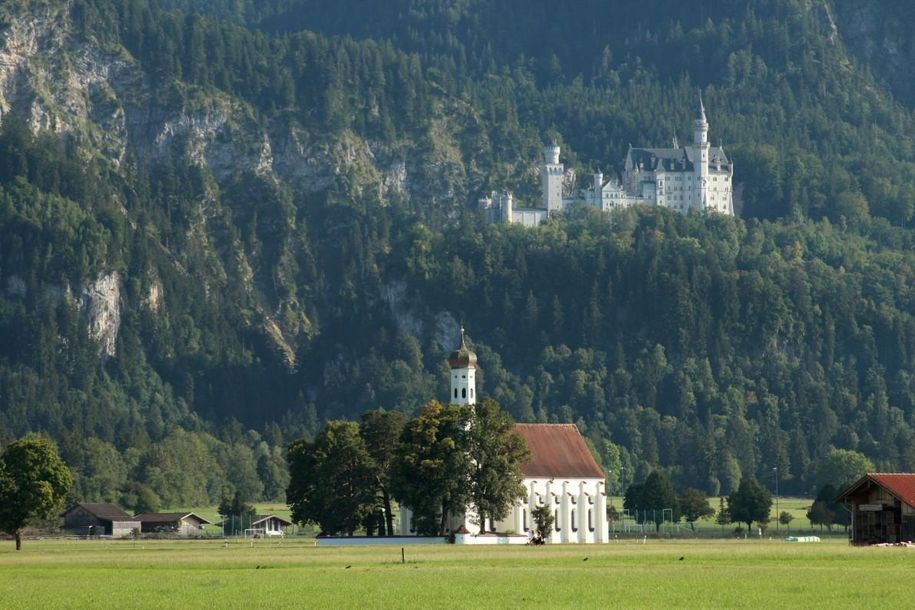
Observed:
{"x":295,"y":573}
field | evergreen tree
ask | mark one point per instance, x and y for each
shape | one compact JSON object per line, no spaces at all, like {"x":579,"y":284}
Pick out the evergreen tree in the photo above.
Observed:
{"x":332,"y":480}
{"x":751,"y":502}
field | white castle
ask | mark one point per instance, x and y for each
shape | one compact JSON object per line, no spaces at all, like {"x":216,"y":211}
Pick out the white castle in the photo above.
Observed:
{"x":697,"y":177}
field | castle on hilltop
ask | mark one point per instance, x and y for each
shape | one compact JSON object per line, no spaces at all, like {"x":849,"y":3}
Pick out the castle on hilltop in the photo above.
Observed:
{"x":697,"y":177}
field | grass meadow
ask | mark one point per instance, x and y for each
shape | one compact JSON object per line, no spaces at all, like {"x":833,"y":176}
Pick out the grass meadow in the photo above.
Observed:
{"x":295,"y":573}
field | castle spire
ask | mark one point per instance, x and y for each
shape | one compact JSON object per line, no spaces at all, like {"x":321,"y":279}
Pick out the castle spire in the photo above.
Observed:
{"x":701,"y":108}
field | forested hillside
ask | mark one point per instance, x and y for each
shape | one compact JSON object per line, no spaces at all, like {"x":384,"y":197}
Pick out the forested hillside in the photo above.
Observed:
{"x":226,"y":222}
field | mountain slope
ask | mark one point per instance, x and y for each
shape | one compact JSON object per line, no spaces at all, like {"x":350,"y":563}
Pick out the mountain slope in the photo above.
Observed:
{"x":226,"y":217}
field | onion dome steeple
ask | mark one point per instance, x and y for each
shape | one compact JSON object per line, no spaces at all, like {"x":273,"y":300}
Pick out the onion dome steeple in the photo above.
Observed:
{"x":463,"y":363}
{"x":463,"y":356}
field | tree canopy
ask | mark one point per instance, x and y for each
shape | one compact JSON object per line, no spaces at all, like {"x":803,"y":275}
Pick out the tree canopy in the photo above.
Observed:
{"x":751,"y":502}
{"x":34,"y":482}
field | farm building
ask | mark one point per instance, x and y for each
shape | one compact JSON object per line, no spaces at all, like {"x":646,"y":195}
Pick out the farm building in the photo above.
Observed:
{"x":101,"y":519}
{"x":882,"y":508}
{"x":270,"y":524}
{"x":186,"y":525}
{"x":258,"y":525}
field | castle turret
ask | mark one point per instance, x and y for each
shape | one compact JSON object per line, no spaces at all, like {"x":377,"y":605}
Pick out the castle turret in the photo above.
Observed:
{"x":598,"y":189}
{"x":552,"y":179}
{"x":508,"y":208}
{"x":463,"y":363}
{"x":700,"y":141}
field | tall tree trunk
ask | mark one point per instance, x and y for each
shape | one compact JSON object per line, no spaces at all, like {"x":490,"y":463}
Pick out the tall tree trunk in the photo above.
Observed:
{"x":389,"y":518}
{"x":18,"y":539}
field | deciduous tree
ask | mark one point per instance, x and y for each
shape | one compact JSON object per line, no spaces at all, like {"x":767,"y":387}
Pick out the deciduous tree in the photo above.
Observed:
{"x":694,"y":506}
{"x":432,"y":467}
{"x":839,"y":467}
{"x":34,"y":482}
{"x":496,"y":454}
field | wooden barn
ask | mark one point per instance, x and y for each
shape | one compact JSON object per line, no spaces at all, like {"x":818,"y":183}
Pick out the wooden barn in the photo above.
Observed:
{"x":185,"y":525}
{"x":99,"y":519}
{"x":882,"y":508}
{"x":270,"y":524}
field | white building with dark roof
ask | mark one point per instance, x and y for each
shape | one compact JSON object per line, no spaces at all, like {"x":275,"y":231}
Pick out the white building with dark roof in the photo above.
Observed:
{"x":697,"y":177}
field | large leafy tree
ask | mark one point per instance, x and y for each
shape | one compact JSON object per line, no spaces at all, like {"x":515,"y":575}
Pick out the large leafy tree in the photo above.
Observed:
{"x":496,"y":453}
{"x":694,"y":506}
{"x":332,"y":480}
{"x":839,"y":467}
{"x":654,"y":495}
{"x":751,"y":502}
{"x":381,"y":432}
{"x":34,"y":483}
{"x":432,"y":467}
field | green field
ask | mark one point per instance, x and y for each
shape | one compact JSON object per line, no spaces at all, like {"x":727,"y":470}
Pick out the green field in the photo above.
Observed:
{"x":295,"y":573}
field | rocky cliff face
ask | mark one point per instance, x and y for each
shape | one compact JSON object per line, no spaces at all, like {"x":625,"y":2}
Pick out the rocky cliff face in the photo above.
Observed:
{"x":101,"y":300}
{"x":100,"y":99}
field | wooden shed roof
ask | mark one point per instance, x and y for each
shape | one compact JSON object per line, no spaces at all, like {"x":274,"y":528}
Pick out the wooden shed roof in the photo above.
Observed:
{"x":167,"y":517}
{"x":261,"y":518}
{"x":557,"y":450}
{"x":104,"y":511}
{"x":900,"y":484}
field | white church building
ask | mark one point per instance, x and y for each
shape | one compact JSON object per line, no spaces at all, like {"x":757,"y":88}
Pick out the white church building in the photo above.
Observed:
{"x":560,"y":473}
{"x":697,"y":177}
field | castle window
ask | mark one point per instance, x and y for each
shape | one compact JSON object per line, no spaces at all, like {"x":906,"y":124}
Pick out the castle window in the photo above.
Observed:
{"x":463,"y":392}
{"x":471,"y":392}
{"x":590,"y":523}
{"x":455,"y":392}
{"x":557,"y":521}
{"x":574,"y":525}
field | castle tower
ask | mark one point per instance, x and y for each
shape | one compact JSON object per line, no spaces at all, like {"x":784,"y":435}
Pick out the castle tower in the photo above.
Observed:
{"x":463,"y":363}
{"x":508,"y":209}
{"x":598,"y":190}
{"x":700,"y":141}
{"x":552,"y":179}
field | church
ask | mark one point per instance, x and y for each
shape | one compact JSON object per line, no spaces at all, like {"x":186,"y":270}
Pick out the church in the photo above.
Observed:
{"x":697,"y":177}
{"x":560,"y":473}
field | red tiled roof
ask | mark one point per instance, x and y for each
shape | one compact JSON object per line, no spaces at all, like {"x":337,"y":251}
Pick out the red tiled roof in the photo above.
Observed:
{"x":557,"y":450}
{"x":900,"y":484}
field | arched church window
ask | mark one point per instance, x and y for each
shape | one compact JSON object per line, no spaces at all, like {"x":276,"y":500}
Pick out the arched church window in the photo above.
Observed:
{"x":574,"y":525}
{"x":590,"y":523}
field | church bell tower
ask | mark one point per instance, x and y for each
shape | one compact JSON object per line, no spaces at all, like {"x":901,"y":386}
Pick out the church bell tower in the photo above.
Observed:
{"x":463,"y":363}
